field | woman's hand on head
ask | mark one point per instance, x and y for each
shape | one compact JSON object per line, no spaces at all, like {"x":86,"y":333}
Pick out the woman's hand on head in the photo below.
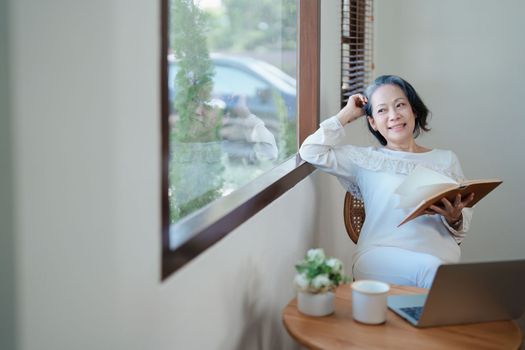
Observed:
{"x":451,"y":211}
{"x":353,"y":109}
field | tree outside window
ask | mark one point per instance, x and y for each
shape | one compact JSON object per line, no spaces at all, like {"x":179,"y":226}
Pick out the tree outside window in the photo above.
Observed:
{"x":232,"y":93}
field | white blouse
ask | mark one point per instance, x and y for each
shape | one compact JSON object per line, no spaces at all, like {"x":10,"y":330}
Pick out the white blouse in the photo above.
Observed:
{"x":373,"y":174}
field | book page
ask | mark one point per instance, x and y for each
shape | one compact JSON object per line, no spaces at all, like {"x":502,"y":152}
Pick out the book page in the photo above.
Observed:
{"x":422,"y":193}
{"x":480,"y":188}
{"x":421,"y":183}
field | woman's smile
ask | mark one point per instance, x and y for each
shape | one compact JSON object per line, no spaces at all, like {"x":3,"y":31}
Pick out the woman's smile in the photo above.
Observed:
{"x":397,"y":127}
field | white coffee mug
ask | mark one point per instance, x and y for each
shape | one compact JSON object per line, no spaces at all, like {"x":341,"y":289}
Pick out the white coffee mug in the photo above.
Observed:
{"x":369,"y":301}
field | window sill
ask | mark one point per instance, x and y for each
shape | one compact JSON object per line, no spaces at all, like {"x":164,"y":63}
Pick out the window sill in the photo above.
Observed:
{"x":207,"y":226}
{"x":200,"y":230}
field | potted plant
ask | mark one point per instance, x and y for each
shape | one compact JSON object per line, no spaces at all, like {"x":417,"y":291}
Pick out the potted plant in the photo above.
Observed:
{"x":316,"y":279}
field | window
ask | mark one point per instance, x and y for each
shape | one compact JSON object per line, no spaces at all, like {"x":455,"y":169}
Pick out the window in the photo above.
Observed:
{"x":229,"y":113}
{"x":356,"y":46}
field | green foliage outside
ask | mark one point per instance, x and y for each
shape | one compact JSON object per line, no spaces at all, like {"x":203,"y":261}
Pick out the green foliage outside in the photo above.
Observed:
{"x":196,"y":122}
{"x":199,"y":170}
{"x":195,"y":166}
{"x":248,"y":26}
{"x":196,"y":176}
{"x":286,"y":139}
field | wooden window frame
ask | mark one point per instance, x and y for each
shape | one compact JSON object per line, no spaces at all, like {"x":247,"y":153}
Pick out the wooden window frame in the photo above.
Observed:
{"x":200,"y":230}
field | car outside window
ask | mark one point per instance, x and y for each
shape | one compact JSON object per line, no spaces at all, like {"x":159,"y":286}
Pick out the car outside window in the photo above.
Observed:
{"x":227,"y":154}
{"x":232,"y":81}
{"x":232,"y":105}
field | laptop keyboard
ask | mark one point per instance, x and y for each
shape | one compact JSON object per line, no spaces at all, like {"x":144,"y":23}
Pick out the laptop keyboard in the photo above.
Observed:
{"x":414,"y":311}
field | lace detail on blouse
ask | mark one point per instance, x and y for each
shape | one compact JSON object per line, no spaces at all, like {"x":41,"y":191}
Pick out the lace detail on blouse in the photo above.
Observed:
{"x":351,"y":187}
{"x":370,"y":158}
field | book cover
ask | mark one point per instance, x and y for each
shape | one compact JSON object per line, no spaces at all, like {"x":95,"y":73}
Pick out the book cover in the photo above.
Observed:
{"x":425,"y":187}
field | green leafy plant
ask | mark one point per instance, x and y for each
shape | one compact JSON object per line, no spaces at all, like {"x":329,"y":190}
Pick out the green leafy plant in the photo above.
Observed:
{"x":196,"y":169}
{"x":197,"y":120}
{"x":287,"y":134}
{"x":317,"y":273}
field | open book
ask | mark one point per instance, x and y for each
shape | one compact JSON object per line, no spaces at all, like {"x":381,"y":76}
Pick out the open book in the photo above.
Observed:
{"x":424,"y":187}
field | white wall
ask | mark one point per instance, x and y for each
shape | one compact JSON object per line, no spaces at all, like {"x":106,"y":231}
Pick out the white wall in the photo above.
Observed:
{"x":465,"y":58}
{"x":7,"y":269}
{"x":84,"y":119}
{"x":85,"y":232}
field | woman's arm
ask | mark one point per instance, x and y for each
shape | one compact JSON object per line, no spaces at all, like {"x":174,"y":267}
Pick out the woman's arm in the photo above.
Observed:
{"x":353,"y":109}
{"x":322,"y":147}
{"x":455,"y":216}
{"x":453,"y":212}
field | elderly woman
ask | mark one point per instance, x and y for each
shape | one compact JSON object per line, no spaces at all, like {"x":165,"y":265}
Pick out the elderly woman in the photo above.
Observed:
{"x":409,"y":254}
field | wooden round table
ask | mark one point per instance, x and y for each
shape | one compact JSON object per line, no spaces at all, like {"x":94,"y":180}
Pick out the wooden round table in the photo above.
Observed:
{"x":340,"y":331}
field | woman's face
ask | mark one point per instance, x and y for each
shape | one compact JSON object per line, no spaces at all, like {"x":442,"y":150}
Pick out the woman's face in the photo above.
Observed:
{"x":392,"y":115}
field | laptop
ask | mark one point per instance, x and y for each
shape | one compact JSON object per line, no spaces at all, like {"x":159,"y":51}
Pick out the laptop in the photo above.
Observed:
{"x":467,"y":293}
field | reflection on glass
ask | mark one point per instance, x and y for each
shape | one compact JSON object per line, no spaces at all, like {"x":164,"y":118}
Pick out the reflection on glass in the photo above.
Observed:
{"x":232,"y":90}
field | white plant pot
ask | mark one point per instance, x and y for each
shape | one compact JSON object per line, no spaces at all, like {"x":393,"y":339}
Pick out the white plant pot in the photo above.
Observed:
{"x":320,"y":304}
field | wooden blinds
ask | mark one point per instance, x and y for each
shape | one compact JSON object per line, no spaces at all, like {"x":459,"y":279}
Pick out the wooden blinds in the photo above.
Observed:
{"x":356,"y":46}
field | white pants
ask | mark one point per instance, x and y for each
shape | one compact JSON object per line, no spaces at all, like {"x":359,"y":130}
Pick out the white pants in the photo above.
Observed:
{"x":397,"y":266}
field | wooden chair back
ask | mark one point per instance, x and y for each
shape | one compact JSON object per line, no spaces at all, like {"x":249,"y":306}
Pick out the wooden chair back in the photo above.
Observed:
{"x":354,"y":216}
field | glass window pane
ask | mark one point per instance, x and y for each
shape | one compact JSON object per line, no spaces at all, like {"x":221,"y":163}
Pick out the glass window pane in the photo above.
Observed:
{"x":232,"y":91}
